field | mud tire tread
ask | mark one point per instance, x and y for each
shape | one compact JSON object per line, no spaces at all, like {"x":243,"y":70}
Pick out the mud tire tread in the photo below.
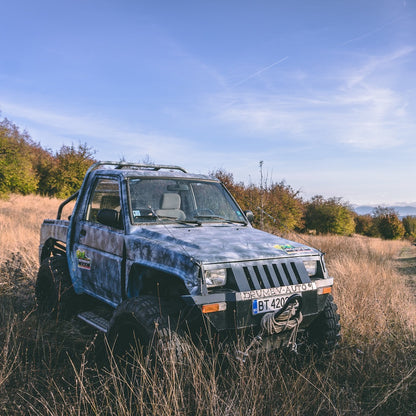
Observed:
{"x":53,"y":290}
{"x":325,"y":331}
{"x":151,"y":320}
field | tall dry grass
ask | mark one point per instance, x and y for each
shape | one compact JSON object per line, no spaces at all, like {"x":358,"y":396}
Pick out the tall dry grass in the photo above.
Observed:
{"x":49,"y":368}
{"x":20,"y":221}
{"x":371,"y":293}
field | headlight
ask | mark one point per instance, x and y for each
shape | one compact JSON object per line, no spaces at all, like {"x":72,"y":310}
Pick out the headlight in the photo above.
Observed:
{"x":311,"y":266}
{"x":215,"y":278}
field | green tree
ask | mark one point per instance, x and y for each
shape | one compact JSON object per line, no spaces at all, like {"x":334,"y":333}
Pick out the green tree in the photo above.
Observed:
{"x":25,"y":167}
{"x":388,"y":223}
{"x":16,"y":171}
{"x":364,"y":225}
{"x":43,"y":163}
{"x":69,"y":169}
{"x":284,"y":204}
{"x":409,"y":224}
{"x":329,"y":216}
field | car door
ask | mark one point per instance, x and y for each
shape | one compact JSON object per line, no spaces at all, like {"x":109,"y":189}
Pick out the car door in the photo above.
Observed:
{"x":98,"y":248}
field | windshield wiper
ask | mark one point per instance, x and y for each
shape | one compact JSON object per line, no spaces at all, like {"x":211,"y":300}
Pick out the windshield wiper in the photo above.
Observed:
{"x":218,"y":217}
{"x":166,"y":217}
{"x":210,"y":216}
{"x":189,"y":222}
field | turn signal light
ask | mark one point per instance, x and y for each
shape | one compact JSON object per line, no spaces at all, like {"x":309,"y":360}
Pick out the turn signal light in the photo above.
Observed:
{"x":324,"y":290}
{"x":214,"y":307}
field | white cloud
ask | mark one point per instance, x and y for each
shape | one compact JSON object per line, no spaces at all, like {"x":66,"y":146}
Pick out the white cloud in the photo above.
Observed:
{"x":373,"y":118}
{"x":261,"y":115}
{"x":364,"y":108}
{"x":101,"y":134}
{"x":113,"y":141}
{"x":376,"y":64}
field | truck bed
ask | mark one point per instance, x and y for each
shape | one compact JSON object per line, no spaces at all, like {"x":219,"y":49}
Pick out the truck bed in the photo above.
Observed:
{"x":53,"y":229}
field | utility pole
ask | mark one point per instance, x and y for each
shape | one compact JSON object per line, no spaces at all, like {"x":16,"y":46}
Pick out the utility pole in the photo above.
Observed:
{"x":261,"y":195}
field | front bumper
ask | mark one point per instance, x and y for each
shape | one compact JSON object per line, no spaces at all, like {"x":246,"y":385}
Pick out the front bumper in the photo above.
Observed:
{"x":238,"y":314}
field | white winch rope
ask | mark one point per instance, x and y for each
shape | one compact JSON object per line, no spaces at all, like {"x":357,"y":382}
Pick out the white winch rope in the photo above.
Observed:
{"x":285,"y":321}
{"x":274,"y":325}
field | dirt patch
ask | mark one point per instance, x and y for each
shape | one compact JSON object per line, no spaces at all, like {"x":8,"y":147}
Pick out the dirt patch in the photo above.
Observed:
{"x":406,"y":264}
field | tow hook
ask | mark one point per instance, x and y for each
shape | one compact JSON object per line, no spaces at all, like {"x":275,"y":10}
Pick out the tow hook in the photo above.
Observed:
{"x":243,"y":355}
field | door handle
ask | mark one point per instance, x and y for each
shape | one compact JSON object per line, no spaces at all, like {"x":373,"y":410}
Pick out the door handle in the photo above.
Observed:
{"x":83,"y":233}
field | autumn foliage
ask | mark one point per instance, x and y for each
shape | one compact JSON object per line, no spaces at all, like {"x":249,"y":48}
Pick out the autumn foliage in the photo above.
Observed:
{"x":27,"y":168}
{"x":276,"y":205}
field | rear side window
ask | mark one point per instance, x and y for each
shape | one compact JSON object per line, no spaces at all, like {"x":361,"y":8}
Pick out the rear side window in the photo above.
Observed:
{"x":106,"y":194}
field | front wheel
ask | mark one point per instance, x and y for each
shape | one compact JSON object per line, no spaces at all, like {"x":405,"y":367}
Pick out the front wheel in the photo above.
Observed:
{"x":148,"y":323}
{"x":324,"y":333}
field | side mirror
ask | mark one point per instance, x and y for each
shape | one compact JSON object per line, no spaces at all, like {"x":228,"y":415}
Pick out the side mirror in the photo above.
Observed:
{"x":109,"y":217}
{"x":250,"y":216}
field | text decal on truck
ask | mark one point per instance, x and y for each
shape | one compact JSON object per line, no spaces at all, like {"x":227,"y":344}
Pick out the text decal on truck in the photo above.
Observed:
{"x":83,"y":261}
{"x":275,"y":291}
{"x":289,"y":249}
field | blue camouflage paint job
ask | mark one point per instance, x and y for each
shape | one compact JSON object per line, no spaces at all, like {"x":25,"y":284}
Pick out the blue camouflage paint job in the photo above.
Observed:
{"x":177,"y":249}
{"x":142,"y":252}
{"x":56,"y":229}
{"x":182,"y":249}
{"x":219,"y":243}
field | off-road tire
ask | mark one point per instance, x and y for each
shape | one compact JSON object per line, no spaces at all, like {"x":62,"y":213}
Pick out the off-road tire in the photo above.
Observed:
{"x":54,"y":292}
{"x":148,"y":323}
{"x":324,"y":333}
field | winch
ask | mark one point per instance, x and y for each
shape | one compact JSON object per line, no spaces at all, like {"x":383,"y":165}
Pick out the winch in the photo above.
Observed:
{"x":288,"y":317}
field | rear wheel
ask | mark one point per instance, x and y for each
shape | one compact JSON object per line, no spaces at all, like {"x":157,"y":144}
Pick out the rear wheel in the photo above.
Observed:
{"x":54,"y":292}
{"x":324,"y":333}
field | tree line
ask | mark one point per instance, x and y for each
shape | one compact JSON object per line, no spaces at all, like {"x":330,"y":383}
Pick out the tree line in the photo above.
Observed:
{"x":26,"y":167}
{"x":279,"y":206}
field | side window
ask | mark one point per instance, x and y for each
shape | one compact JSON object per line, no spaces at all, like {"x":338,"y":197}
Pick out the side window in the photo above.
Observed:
{"x":106,"y":194}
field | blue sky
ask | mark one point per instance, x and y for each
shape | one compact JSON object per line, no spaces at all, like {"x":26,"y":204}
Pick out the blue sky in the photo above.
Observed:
{"x":323,"y":92}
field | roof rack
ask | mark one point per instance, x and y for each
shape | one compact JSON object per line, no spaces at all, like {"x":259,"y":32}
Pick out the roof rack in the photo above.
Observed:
{"x":124,"y":165}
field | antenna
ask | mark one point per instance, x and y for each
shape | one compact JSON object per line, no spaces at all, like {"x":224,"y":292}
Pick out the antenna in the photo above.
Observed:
{"x":261,"y":195}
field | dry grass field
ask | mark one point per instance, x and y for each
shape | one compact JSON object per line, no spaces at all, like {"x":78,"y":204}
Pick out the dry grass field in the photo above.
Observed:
{"x":49,"y":368}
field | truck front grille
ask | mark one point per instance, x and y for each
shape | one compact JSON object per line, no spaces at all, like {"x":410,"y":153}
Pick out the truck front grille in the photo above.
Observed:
{"x":259,"y":275}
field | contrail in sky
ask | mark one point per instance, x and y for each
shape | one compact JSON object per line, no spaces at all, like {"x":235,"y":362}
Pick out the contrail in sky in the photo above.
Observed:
{"x":260,"y":71}
{"x":374,"y":31}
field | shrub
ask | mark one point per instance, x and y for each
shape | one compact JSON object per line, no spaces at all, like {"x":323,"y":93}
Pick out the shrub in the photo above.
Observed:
{"x":277,"y":205}
{"x":16,"y":171}
{"x":69,"y":169}
{"x":329,"y":216}
{"x":409,"y":224}
{"x":388,"y":223}
{"x":364,"y":225}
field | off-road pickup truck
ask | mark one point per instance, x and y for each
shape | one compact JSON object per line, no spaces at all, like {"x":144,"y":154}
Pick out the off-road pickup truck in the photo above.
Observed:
{"x":153,"y":249}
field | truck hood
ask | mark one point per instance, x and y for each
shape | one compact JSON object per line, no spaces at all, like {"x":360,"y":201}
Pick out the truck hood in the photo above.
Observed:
{"x":220,"y":243}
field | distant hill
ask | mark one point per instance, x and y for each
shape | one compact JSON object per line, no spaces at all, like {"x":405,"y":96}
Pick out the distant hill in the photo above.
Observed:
{"x":402,"y":211}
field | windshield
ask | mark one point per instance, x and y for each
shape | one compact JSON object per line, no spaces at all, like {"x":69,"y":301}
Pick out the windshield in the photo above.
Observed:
{"x":172,"y":200}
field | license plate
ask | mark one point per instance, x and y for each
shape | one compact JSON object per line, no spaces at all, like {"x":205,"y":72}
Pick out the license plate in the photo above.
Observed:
{"x":268,"y":304}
